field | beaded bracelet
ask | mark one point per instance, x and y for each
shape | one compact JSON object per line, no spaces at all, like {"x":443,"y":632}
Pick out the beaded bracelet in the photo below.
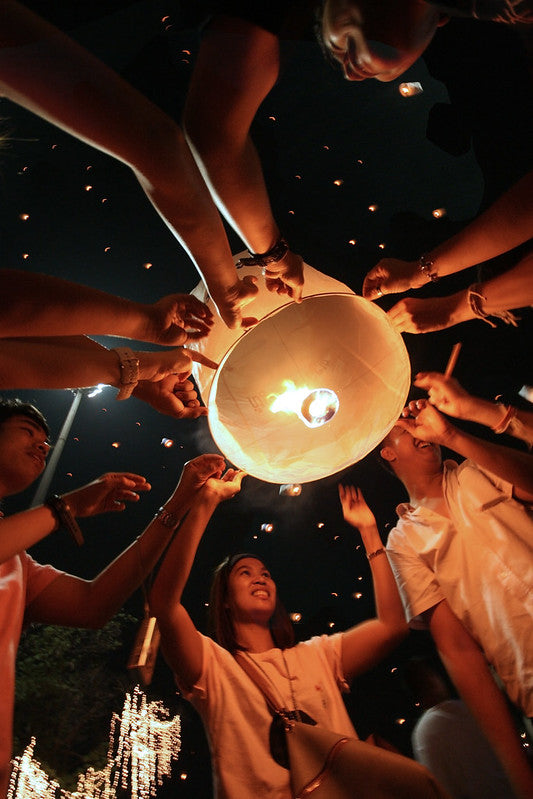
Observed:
{"x":271,"y":256}
{"x":167,"y":518}
{"x":427,"y":266}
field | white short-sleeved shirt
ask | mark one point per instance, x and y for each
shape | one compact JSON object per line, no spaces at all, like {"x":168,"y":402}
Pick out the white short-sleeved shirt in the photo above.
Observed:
{"x":21,"y":580}
{"x":481,"y":561}
{"x":237,"y":720}
{"x":448,"y":741}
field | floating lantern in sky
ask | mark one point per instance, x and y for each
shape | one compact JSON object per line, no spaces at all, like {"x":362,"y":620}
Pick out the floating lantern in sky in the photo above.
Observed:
{"x":309,"y":390}
{"x":410,"y":89}
{"x":438,"y":213}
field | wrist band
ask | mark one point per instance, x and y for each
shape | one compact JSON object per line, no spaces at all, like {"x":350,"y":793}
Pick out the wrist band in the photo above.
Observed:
{"x":272,"y":256}
{"x":168,"y":519}
{"x":426,"y":265}
{"x":129,"y":371}
{"x":476,"y":300}
{"x":63,"y":514}
{"x":375,"y":553}
{"x":508,"y":417}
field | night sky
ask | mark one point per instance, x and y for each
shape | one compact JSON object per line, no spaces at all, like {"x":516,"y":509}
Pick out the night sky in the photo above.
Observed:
{"x":456,"y":146}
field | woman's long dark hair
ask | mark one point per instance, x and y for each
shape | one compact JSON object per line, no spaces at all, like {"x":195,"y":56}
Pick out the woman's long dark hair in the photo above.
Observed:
{"x":220,"y":621}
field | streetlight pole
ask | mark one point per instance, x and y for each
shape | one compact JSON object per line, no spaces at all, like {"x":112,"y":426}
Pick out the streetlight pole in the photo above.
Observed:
{"x":46,"y":479}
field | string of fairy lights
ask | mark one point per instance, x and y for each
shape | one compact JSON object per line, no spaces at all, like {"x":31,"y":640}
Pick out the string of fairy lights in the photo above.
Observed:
{"x":143,"y":743}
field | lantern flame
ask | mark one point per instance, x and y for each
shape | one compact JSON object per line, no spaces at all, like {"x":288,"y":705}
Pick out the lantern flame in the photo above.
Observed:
{"x":314,"y":407}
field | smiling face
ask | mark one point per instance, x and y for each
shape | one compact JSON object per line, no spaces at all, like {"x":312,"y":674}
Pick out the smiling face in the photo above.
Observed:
{"x":251,"y":592}
{"x":23,"y":451}
{"x":378,"y":38}
{"x":408,"y":455}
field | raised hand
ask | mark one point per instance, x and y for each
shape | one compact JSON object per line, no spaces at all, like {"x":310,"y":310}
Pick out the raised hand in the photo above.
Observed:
{"x":354,"y":508}
{"x":109,"y":493}
{"x":414,"y":315}
{"x":154,"y":366}
{"x":424,"y":422}
{"x":171,"y":396}
{"x":227,"y":486}
{"x":392,"y":276}
{"x":445,"y":393}
{"x":177,"y":319}
{"x":199,"y":470}
{"x":231,"y":302}
{"x":286,"y":276}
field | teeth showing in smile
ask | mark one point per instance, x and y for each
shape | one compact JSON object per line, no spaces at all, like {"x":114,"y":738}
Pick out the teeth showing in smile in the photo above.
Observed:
{"x":260,"y":592}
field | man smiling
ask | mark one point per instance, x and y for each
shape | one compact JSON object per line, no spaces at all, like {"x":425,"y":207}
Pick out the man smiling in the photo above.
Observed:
{"x":462,"y":557}
{"x":32,"y":592}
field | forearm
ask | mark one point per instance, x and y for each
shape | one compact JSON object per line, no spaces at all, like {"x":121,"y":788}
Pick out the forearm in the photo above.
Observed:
{"x":511,"y":465}
{"x":51,"y":75}
{"x":174,"y":572}
{"x":503,"y":226}
{"x":42,"y":305}
{"x":235,"y":178}
{"x":471,"y":675}
{"x":389,"y":608}
{"x":53,"y":364}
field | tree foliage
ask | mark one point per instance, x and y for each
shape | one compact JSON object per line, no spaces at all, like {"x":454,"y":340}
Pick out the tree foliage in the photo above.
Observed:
{"x":69,"y":682}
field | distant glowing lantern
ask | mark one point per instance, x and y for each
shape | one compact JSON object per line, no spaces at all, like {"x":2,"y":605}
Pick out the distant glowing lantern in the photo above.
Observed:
{"x":438,"y":213}
{"x":167,"y":442}
{"x":309,"y":390}
{"x":290,"y":490}
{"x":410,"y":89}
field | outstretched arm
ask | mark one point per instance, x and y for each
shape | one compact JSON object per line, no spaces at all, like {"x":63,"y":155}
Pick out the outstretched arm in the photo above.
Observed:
{"x":424,"y":422}
{"x":108,"y":493}
{"x":492,"y":298}
{"x":369,"y":642}
{"x":48,"y":73}
{"x":78,"y":362}
{"x":42,"y":305}
{"x":470,"y":673}
{"x":237,"y":66}
{"x":75,"y":602}
{"x":506,"y":224}
{"x":448,"y":396}
{"x":180,"y":639}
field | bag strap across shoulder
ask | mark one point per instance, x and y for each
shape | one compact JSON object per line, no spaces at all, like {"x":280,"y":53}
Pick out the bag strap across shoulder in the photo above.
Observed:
{"x":260,"y":679}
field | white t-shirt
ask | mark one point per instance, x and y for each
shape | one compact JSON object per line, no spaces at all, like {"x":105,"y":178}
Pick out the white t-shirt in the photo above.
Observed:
{"x":237,"y":720}
{"x":481,"y":561}
{"x":21,"y":580}
{"x":448,"y":741}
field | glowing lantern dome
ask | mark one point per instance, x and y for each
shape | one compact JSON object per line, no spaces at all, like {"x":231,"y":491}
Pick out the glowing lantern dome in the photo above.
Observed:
{"x":308,"y":391}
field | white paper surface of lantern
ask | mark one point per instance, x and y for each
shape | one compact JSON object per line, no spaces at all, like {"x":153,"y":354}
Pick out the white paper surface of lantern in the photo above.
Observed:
{"x":332,"y":340}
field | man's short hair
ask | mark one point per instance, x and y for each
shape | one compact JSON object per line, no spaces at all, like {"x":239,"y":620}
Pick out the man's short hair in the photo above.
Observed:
{"x":15,"y":407}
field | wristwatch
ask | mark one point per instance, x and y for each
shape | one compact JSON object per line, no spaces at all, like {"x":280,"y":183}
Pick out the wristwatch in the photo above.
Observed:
{"x":129,"y":371}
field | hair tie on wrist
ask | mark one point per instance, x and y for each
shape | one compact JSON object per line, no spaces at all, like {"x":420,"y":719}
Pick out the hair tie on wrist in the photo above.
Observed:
{"x":476,"y":300}
{"x":271,"y":256}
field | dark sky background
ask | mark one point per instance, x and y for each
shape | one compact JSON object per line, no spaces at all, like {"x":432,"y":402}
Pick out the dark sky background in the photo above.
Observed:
{"x":456,"y":146}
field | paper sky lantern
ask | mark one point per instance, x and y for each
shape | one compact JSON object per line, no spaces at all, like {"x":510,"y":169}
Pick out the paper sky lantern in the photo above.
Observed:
{"x":309,"y":390}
